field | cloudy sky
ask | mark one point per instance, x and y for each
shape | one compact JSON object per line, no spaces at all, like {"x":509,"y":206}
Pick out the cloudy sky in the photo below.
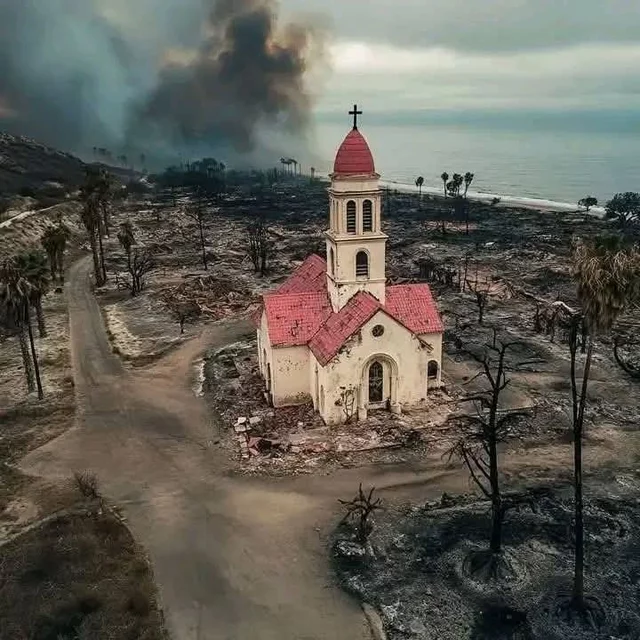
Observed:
{"x":405,"y":55}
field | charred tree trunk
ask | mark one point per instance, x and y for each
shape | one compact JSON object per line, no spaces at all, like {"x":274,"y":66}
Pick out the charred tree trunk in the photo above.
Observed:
{"x":26,"y":359}
{"x":103,"y":269}
{"x":579,"y":402}
{"x":202,"y":245}
{"x":42,"y":327}
{"x":34,"y":355}
{"x":96,"y":259}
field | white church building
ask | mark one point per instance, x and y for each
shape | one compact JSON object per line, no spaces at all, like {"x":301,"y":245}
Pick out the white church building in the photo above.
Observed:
{"x":334,"y":333}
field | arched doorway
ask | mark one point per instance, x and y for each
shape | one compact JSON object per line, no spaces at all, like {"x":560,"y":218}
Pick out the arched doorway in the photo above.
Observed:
{"x":433,"y":370}
{"x":376,"y":382}
{"x":380,"y":376}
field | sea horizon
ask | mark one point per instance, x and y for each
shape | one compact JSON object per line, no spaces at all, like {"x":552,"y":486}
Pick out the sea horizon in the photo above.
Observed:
{"x":514,"y":157}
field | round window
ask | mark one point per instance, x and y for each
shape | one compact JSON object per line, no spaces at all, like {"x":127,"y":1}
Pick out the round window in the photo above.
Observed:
{"x":378,"y":330}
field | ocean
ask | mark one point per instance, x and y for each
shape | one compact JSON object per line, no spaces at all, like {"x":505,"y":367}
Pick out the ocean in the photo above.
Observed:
{"x":559,"y":164}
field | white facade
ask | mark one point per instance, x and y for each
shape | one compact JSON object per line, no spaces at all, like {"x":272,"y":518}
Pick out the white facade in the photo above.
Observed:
{"x":382,"y":364}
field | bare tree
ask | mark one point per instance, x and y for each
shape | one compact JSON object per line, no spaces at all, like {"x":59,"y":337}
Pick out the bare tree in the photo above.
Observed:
{"x":627,"y":365}
{"x":477,"y":445}
{"x":141,"y":264}
{"x":258,"y":235}
{"x":183,"y":311}
{"x":481,"y":293}
{"x":359,"y":512}
{"x":197,"y":212}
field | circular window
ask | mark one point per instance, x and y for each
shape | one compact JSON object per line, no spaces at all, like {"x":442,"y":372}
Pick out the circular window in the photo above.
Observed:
{"x":377,"y":331}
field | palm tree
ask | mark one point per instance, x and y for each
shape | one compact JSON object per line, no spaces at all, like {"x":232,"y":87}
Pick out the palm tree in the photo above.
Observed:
{"x":32,"y":266}
{"x":419,"y":183}
{"x":90,"y":217}
{"x":50,"y":245}
{"x":15,"y":295}
{"x":127,"y":239}
{"x":444,"y":177}
{"x":607,"y":273}
{"x":468,"y":179}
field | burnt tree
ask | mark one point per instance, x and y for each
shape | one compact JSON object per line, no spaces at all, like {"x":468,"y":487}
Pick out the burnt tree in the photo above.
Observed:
{"x":258,"y":241}
{"x":480,"y":435}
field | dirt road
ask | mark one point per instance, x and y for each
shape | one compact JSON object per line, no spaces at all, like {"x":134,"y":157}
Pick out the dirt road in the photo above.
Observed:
{"x":235,"y":558}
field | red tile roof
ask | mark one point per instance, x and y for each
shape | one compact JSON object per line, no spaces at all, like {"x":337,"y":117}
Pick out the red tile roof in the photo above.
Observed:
{"x":340,"y":326}
{"x":311,"y":275}
{"x":294,"y":318}
{"x":299,"y":311}
{"x":413,"y":306}
{"x":354,"y":156}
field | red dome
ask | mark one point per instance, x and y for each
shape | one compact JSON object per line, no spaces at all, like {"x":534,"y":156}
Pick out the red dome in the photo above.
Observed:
{"x":354,"y":156}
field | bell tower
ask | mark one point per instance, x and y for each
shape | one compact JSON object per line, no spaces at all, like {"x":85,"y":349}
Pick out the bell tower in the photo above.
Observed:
{"x":356,"y":246}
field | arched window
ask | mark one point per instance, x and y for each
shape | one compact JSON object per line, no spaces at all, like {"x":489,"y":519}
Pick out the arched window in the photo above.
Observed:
{"x":432,"y":370}
{"x":376,"y":382}
{"x":362,"y":264}
{"x":332,"y":262}
{"x":367,"y":215}
{"x":351,"y":217}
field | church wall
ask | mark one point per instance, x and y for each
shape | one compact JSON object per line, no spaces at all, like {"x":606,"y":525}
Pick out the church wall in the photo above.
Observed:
{"x":343,"y":282}
{"x":435,"y":341}
{"x":291,"y":375}
{"x":346,"y":370}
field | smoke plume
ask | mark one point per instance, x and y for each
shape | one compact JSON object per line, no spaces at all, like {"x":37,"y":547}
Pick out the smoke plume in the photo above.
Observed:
{"x":161,"y":77}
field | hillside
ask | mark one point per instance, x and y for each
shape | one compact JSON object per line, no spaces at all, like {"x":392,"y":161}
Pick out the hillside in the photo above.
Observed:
{"x":27,"y":165}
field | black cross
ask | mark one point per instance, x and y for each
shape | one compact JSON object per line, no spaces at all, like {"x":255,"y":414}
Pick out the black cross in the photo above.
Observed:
{"x":355,"y":113}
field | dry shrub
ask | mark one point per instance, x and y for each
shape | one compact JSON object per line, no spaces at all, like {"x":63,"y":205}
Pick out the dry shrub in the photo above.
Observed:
{"x":87,"y":484}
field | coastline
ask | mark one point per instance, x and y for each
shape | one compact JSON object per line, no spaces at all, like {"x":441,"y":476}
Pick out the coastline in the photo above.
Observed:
{"x":539,"y":204}
{"x":506,"y":202}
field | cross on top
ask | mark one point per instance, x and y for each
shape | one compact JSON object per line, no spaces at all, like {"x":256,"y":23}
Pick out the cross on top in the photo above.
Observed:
{"x":355,"y":113}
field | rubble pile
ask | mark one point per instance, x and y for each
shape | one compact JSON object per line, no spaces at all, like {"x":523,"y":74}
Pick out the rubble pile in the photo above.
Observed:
{"x":215,"y":297}
{"x":295,"y":439}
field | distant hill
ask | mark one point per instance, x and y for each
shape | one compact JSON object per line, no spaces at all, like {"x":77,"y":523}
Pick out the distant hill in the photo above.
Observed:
{"x":34,"y":175}
{"x":27,"y":165}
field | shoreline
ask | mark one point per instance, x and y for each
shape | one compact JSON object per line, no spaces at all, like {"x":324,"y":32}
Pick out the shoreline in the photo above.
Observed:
{"x":507,"y":202}
{"x":539,"y":204}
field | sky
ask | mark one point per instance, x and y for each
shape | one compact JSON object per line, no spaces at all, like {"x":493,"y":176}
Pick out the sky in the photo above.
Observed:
{"x":81,"y":73}
{"x":480,"y":55}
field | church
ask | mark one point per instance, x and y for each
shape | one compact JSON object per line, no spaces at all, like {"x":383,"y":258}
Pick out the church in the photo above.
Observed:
{"x":334,"y":333}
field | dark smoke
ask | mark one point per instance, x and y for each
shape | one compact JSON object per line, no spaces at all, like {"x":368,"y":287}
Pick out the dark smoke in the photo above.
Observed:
{"x":243,"y":75}
{"x":174,"y":76}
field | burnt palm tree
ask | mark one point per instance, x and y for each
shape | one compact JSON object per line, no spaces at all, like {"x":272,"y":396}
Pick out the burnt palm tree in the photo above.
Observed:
{"x":444,"y":177}
{"x":32,"y":266}
{"x":90,"y":217}
{"x":15,"y":300}
{"x":468,"y":179}
{"x":127,"y":239}
{"x":607,"y":273}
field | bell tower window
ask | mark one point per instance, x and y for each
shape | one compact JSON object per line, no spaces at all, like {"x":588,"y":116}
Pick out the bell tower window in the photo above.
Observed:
{"x":351,"y":217}
{"x":362,"y":264}
{"x":367,"y":216}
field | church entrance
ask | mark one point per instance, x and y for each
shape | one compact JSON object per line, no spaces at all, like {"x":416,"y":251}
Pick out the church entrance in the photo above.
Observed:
{"x":379,"y":385}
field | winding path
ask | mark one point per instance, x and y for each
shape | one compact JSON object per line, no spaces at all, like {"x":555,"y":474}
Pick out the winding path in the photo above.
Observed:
{"x":235,"y":558}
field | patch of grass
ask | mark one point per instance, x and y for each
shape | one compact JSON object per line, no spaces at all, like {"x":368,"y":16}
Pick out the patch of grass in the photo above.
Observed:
{"x":78,"y":577}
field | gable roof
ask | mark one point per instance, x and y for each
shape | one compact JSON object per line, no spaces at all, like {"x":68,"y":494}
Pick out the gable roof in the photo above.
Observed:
{"x":311,"y":275}
{"x":293,"y":318}
{"x":340,"y":326}
{"x":414,"y":307}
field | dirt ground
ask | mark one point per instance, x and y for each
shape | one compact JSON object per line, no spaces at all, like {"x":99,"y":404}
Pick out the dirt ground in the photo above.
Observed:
{"x":79,"y":575}
{"x":519,"y":256}
{"x":61,"y":556}
{"x":418,"y":571}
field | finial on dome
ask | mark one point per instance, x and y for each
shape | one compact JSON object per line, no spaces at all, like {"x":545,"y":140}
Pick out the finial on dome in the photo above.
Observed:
{"x":355,"y":113}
